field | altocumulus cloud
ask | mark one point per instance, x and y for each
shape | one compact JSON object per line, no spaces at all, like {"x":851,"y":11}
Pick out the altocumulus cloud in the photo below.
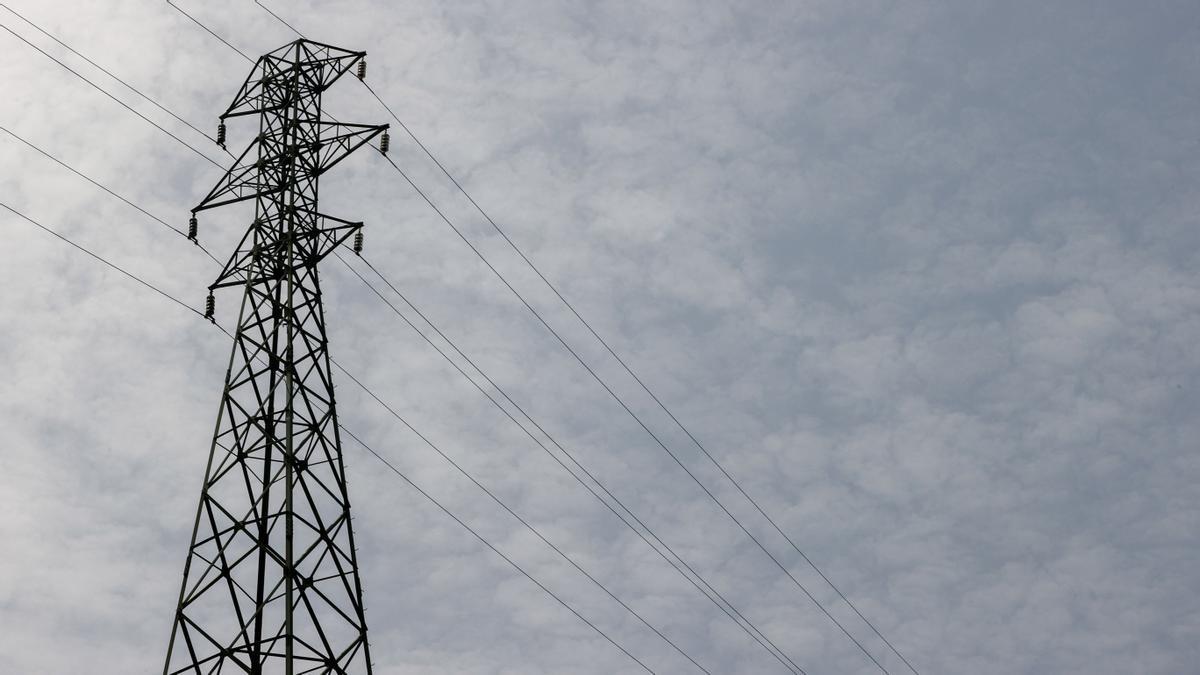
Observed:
{"x":921,"y":274}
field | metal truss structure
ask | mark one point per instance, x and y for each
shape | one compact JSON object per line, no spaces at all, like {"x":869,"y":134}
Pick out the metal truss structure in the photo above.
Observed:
{"x":271,"y":583}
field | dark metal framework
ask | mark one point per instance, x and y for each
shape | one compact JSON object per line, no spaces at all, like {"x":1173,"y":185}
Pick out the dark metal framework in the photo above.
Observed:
{"x":271,"y":582}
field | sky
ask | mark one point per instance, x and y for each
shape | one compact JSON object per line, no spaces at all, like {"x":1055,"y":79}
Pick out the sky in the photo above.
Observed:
{"x":921,"y":275}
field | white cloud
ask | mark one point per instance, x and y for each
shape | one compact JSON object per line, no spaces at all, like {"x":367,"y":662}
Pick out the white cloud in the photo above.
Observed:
{"x":921,"y":275}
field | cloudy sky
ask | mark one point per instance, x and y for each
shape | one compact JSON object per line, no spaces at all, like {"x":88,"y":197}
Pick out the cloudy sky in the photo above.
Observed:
{"x":921,"y":274}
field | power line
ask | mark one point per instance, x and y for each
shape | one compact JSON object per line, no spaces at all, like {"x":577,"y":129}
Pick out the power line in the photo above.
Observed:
{"x":493,"y":548}
{"x":782,"y":657}
{"x":89,"y":179}
{"x":105,"y":92}
{"x":752,"y":631}
{"x":385,"y":405}
{"x":708,"y":492}
{"x":279,"y":18}
{"x":571,"y":307}
{"x":177,"y":8}
{"x":107,"y":72}
{"x":379,"y":457}
{"x":626,"y":367}
{"x":716,"y":597}
{"x":524,"y":522}
{"x":176,"y":230}
{"x":131,"y":110}
{"x":623,"y":364}
{"x":640,"y":381}
{"x":651,"y":393}
{"x":511,"y":288}
{"x":647,"y":429}
{"x":116,"y":267}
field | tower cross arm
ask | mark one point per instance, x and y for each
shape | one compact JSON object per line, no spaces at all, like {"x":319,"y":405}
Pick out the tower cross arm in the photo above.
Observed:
{"x":302,"y":57}
{"x":263,"y":261}
{"x":247,"y":180}
{"x":243,"y":180}
{"x":336,"y":146}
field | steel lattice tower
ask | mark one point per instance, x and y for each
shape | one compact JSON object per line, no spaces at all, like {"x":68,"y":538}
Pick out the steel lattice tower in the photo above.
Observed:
{"x":271,"y":582}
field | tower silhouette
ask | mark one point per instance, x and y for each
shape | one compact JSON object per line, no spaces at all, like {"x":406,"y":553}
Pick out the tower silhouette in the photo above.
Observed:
{"x":271,"y":582}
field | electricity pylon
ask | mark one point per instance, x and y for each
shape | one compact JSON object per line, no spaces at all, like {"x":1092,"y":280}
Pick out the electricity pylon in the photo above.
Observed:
{"x":271,"y":583}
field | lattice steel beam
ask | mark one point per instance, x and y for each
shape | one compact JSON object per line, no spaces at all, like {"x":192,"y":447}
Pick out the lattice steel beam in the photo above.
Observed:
{"x":271,"y":583}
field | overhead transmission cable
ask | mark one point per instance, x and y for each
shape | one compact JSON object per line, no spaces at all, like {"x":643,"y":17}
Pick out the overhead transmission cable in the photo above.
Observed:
{"x":647,"y":429}
{"x":403,"y":421}
{"x":711,"y":594}
{"x":628,"y":369}
{"x":496,"y":550}
{"x":425,"y":439}
{"x":109,"y":73}
{"x":494,"y":402}
{"x":773,"y":649}
{"x":205,"y":156}
{"x":783,"y":658}
{"x":759,"y":637}
{"x":106,"y":93}
{"x":279,"y":18}
{"x":89,"y":179}
{"x":217,"y":36}
{"x":377,"y":456}
{"x":113,"y":265}
{"x":514,"y":514}
{"x":209,"y":31}
{"x":712,"y":497}
{"x":716,"y":597}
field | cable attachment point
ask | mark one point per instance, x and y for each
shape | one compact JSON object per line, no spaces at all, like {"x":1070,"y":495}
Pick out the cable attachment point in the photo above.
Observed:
{"x":358,"y":242}
{"x":193,"y":226}
{"x":362,"y":70}
{"x":210,"y":307}
{"x":221,"y":134}
{"x":385,"y":142}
